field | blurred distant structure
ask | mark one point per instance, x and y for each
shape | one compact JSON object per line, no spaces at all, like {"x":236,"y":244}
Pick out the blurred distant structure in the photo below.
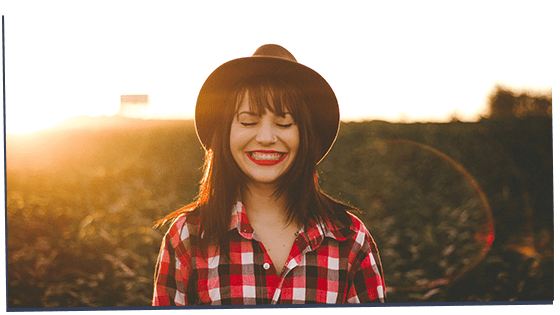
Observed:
{"x":505,"y":103}
{"x":135,"y":106}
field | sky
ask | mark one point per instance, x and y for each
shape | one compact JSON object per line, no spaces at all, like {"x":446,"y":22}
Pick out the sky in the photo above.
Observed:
{"x":399,"y":61}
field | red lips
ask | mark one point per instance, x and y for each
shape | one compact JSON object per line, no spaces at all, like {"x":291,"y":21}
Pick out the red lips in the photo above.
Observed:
{"x":266,"y":157}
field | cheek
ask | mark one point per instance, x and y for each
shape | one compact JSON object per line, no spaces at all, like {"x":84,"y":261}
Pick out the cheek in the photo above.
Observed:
{"x":233,"y":141}
{"x":237,"y":139}
{"x":294,"y":140}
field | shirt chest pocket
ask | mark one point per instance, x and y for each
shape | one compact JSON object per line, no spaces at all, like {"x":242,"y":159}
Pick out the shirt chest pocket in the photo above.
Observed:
{"x":314,"y":283}
{"x":232,"y":284}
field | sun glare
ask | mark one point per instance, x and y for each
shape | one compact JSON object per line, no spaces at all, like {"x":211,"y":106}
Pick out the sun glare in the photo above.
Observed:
{"x":29,"y":124}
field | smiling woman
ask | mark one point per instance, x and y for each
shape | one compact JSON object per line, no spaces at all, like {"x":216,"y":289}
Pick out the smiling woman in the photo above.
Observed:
{"x":262,"y":231}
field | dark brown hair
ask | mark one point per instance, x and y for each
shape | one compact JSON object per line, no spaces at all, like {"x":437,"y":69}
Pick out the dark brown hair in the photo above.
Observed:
{"x":223,"y":180}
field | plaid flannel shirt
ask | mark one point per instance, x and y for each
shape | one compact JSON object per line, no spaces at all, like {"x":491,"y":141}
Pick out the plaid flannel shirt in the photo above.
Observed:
{"x":325,"y":265}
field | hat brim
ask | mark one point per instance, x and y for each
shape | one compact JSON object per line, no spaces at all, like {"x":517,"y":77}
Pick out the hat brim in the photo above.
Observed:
{"x":215,"y":90}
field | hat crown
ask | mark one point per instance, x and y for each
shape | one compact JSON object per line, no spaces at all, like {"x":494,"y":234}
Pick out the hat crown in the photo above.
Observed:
{"x":272,"y":50}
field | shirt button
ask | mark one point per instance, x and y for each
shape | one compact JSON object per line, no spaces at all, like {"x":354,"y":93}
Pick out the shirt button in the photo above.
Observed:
{"x":266,"y":266}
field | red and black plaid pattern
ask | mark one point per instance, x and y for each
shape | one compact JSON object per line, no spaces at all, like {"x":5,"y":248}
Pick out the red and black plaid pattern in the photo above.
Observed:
{"x":325,"y":265}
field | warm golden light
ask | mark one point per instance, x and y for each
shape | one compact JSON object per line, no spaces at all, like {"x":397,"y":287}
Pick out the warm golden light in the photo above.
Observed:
{"x":30,"y":123}
{"x":379,"y":67}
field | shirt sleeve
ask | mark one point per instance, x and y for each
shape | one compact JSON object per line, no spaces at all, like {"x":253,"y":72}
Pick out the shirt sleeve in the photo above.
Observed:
{"x":172,"y":271}
{"x":367,"y":284}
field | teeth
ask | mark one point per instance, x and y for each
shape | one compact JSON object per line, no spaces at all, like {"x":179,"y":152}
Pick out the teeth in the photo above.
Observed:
{"x":266,"y":156}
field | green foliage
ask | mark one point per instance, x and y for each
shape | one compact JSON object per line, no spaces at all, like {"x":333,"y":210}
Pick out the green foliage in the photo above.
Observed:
{"x":81,"y":204}
{"x":426,"y":217}
{"x":80,"y":221}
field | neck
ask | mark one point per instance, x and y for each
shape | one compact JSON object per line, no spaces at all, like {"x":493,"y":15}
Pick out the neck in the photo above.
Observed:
{"x":261,"y":204}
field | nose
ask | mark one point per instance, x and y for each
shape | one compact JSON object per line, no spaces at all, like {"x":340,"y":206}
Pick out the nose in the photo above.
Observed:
{"x":266,"y":134}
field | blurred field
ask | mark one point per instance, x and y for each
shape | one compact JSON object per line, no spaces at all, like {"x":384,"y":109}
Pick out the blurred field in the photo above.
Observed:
{"x":81,"y":202}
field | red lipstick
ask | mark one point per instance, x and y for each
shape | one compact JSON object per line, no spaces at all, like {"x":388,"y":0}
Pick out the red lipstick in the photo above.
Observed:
{"x":266,"y":157}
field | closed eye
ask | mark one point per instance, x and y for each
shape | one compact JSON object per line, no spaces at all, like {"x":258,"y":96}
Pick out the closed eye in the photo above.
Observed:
{"x":248,"y":124}
{"x":284,"y":125}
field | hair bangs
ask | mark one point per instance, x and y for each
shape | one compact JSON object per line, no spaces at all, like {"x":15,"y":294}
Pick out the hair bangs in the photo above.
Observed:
{"x":270,"y":94}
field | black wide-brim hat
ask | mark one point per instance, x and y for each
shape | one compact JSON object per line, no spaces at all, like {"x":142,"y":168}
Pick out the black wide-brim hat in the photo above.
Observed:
{"x":275,"y":61}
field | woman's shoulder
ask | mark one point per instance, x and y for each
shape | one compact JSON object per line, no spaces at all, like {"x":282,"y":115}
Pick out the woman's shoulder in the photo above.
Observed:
{"x":357,"y":225}
{"x":358,"y":231}
{"x":184,"y":226}
{"x":347,"y":226}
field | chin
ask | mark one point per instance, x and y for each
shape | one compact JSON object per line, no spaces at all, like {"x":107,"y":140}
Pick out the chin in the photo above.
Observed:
{"x":265,"y":179}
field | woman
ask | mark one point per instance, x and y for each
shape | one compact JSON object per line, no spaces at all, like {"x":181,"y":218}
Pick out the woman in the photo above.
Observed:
{"x":261,"y":230}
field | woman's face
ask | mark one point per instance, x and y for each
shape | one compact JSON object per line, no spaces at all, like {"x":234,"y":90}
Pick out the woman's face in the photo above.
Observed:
{"x":264,"y":147}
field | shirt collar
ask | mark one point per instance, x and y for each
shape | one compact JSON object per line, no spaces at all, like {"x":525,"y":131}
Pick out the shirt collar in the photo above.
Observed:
{"x":240,"y":221}
{"x":314,"y":232}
